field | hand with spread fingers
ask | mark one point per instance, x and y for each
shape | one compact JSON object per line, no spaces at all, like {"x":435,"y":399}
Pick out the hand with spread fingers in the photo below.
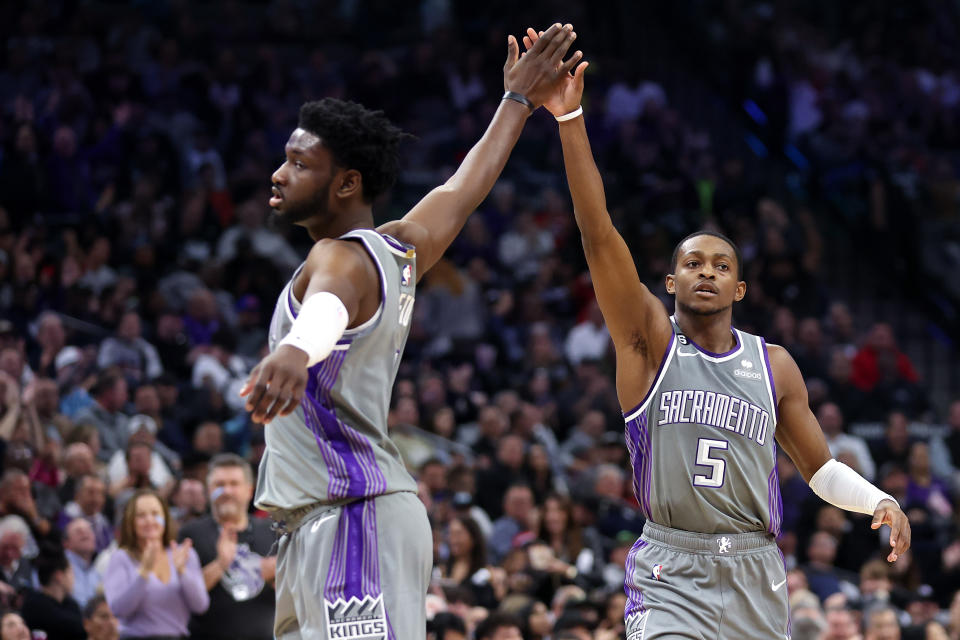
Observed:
{"x":540,"y":72}
{"x":276,"y":385}
{"x":890,"y":514}
{"x":568,"y":91}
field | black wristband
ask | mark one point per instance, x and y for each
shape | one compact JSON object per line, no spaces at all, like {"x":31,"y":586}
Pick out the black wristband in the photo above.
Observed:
{"x":518,"y":97}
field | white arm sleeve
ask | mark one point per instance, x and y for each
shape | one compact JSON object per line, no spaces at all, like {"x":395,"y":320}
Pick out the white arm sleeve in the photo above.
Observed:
{"x":843,"y":487}
{"x":319,"y":325}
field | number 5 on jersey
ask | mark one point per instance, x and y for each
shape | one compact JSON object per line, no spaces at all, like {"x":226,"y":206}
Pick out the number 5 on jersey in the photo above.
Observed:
{"x":717,"y":465}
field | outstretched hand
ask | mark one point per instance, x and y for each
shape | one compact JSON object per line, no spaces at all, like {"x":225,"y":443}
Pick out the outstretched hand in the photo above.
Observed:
{"x":888,"y":513}
{"x":276,"y":385}
{"x":568,"y":91}
{"x":541,"y":70}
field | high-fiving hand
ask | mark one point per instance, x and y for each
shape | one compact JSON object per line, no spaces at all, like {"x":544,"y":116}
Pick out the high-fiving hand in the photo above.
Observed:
{"x":540,"y":72}
{"x":568,"y":90}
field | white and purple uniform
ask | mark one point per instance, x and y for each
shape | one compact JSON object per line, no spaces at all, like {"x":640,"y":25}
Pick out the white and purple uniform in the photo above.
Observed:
{"x":357,"y":559}
{"x":704,"y":472}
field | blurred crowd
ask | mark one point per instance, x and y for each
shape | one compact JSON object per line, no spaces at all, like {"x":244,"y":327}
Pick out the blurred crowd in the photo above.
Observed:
{"x":139,"y":267}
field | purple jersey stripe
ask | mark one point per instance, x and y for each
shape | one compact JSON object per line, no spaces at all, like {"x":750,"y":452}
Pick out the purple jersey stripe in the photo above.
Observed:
{"x":663,"y":362}
{"x":634,"y":594}
{"x":647,"y":478}
{"x":396,"y":244}
{"x":353,"y":582}
{"x":631,"y":439}
{"x":333,"y":588}
{"x":773,"y":386}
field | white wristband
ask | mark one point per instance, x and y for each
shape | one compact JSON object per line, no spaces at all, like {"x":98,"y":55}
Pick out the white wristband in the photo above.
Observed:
{"x":843,"y":487}
{"x":319,"y":325}
{"x":570,"y":116}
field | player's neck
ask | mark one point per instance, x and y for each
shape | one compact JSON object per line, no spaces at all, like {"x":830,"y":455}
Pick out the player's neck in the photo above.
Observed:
{"x":339,"y":223}
{"x":710,"y":332}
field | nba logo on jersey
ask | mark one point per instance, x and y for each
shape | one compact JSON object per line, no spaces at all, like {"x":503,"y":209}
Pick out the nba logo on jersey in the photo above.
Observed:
{"x":405,"y":275}
{"x":724,"y":544}
{"x":657,"y":568}
{"x":356,"y":619}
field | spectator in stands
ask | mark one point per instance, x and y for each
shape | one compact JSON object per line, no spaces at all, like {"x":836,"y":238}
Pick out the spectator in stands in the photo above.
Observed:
{"x":153,"y":607}
{"x":51,"y":608}
{"x":89,"y":501}
{"x":831,"y":421}
{"x":880,"y":345}
{"x":499,"y":627}
{"x":12,"y":627}
{"x":466,"y":565}
{"x":133,"y":356}
{"x":589,"y":339}
{"x":924,"y":489}
{"x":16,"y":497}
{"x":16,"y":571}
{"x":51,"y":339}
{"x":80,"y":547}
{"x":824,"y":578}
{"x":881,"y":624}
{"x":143,"y":429}
{"x":98,"y":621}
{"x":517,"y":508}
{"x":106,"y":413}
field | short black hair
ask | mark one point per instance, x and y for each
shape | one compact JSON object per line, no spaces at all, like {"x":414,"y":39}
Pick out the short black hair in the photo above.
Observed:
{"x":51,"y":559}
{"x":92,"y":605}
{"x":715,"y":234}
{"x":494,"y":621}
{"x":359,"y":139}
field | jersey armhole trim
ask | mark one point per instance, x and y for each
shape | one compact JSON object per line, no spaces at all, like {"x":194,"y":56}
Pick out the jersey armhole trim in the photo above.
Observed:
{"x":771,"y":385}
{"x":664,"y":362}
{"x":361,"y":330}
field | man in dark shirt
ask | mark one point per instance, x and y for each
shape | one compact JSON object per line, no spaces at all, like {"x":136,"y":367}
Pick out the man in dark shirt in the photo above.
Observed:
{"x":234,"y":549}
{"x":52,"y":609}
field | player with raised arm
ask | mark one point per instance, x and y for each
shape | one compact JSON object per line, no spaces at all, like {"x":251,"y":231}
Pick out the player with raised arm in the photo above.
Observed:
{"x":703,"y":403}
{"x":356,"y":555}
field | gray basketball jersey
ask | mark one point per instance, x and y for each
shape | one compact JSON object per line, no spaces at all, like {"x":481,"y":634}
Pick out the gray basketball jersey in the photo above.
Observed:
{"x":335,"y":448}
{"x":702,"y":441}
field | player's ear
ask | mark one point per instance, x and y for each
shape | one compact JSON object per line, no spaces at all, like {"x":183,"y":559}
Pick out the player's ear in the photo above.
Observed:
{"x":741,"y":291}
{"x":671,"y":284}
{"x":350,"y":183}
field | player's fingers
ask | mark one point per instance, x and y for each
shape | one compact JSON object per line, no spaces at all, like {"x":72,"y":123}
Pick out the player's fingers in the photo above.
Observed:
{"x":578,"y":72}
{"x":291,"y":406}
{"x":572,"y":62}
{"x":283,"y":398}
{"x":248,"y":385}
{"x":561,"y":50}
{"x":267,"y":398}
{"x":903,"y":535}
{"x":513,"y":52}
{"x":259,"y":388}
{"x":527,"y":43}
{"x":546,"y":37}
{"x":558,"y":44}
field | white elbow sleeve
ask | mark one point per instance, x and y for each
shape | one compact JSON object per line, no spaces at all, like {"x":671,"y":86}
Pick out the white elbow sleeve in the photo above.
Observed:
{"x":843,"y":487}
{"x":319,"y":325}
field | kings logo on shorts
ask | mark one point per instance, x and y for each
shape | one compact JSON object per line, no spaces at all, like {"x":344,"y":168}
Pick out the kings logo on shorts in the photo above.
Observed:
{"x":356,"y":619}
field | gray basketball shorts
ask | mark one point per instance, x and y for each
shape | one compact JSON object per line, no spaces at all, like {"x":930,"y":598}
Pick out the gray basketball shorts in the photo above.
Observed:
{"x":356,"y":571}
{"x":705,"y":586}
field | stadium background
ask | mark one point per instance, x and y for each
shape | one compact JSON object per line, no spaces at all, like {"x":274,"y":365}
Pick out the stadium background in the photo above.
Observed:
{"x":137,"y":144}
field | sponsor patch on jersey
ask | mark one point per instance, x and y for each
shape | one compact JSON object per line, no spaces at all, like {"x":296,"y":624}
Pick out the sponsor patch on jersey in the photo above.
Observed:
{"x":746,"y":364}
{"x":746,"y":373}
{"x":657,"y":570}
{"x":405,"y":275}
{"x":356,"y":619}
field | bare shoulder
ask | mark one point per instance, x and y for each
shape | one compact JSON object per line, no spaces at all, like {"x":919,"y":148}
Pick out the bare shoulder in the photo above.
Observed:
{"x":786,"y":373}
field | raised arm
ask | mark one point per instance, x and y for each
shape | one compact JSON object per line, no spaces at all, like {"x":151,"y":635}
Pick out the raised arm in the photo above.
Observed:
{"x":435,"y":221}
{"x":800,"y":435}
{"x":636,"y":319}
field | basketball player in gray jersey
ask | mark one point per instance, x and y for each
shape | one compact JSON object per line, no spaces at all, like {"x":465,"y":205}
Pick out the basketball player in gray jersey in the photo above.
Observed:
{"x":705,"y":405}
{"x":357,"y":551}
